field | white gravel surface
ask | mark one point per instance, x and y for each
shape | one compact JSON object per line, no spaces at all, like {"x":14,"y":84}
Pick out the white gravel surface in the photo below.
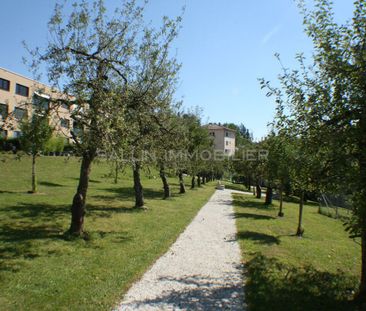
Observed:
{"x":201,"y":271}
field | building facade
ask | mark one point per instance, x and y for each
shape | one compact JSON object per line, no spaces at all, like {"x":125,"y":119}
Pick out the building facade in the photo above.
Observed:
{"x":20,"y":96}
{"x":223,"y":137}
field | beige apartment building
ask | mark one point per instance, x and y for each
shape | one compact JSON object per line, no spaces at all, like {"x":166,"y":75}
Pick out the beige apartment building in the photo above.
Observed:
{"x":223,"y":137}
{"x":20,"y":96}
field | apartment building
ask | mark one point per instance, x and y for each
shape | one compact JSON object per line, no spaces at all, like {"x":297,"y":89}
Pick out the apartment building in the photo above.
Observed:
{"x":20,"y":96}
{"x":223,"y":137}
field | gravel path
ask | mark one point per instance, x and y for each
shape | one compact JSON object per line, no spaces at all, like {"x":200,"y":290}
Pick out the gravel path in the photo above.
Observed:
{"x":201,"y":271}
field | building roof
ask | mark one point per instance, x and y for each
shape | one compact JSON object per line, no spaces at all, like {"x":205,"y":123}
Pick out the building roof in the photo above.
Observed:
{"x":20,"y":75}
{"x":49,"y":92}
{"x":219,"y":127}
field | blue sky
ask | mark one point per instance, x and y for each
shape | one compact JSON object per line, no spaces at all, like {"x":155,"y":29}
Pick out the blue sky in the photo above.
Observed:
{"x":224,"y":46}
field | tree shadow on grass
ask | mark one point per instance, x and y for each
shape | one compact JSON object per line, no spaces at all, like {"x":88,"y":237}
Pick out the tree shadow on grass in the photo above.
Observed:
{"x":17,"y":242}
{"x":128,"y":193}
{"x":42,"y":213}
{"x":247,"y":203}
{"x":11,"y":192}
{"x":105,"y":211}
{"x":274,"y":286}
{"x":27,"y":224}
{"x":253,"y":216}
{"x":39,"y":211}
{"x":93,"y":181}
{"x":19,"y":233}
{"x":27,"y":240}
{"x":259,"y":238}
{"x":50,"y":184}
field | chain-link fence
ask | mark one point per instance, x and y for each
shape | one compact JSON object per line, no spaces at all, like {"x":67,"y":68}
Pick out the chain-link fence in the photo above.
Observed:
{"x":335,"y":206}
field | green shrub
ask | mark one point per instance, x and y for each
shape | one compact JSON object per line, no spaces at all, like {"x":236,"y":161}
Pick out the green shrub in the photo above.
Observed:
{"x":55,"y":144}
{"x":7,"y":144}
{"x":69,"y":148}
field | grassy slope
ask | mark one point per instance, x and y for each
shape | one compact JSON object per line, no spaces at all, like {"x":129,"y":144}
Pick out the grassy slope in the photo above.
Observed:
{"x":40,"y":270}
{"x":284,"y":272}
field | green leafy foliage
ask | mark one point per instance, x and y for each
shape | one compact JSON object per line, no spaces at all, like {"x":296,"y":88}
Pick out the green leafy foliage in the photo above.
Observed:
{"x":54,"y":144}
{"x":274,"y":285}
{"x":36,"y":132}
{"x":322,"y":108}
{"x":121,"y":76}
{"x":283,"y":272}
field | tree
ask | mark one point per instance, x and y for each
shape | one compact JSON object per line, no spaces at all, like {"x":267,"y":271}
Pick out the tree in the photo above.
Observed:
{"x":256,"y":165}
{"x":169,"y":147}
{"x":277,"y":165}
{"x":301,"y":172}
{"x":149,"y":129}
{"x":199,"y":146}
{"x":242,"y":136}
{"x":96,"y":58}
{"x":36,"y":132}
{"x":326,"y":101}
{"x":149,"y":102}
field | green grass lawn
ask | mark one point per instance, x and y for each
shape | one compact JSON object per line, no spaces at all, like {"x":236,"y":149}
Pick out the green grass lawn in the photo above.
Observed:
{"x":283,"y":272}
{"x":41,"y":270}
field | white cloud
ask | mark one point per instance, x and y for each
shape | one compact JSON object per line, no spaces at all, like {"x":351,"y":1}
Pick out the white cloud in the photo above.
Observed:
{"x":270,"y":34}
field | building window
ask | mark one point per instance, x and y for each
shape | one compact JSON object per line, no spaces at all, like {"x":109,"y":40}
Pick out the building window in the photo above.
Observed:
{"x":227,"y":143}
{"x":4,"y":84}
{"x":227,"y":134}
{"x":3,"y":111}
{"x":212,"y":134}
{"x":21,"y":90}
{"x":41,"y":103}
{"x":65,"y":123}
{"x":77,"y":128}
{"x":17,"y":134}
{"x":64,"y":105}
{"x":19,"y":113}
{"x":226,"y":150}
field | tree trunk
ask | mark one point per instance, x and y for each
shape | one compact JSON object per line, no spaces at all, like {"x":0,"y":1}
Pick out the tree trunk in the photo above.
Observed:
{"x":287,"y":189}
{"x":199,"y":180}
{"x":248,"y":183}
{"x":300,"y":229}
{"x":193,"y":182}
{"x":361,"y":209}
{"x":182,"y":188}
{"x":280,"y":213}
{"x":165,"y":183}
{"x":137,"y":186}
{"x":259,"y":191}
{"x":361,"y":295}
{"x":116,"y":173}
{"x":203,"y":180}
{"x":269,"y":195}
{"x":34,"y":178}
{"x":254,"y":191}
{"x":79,"y":200}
